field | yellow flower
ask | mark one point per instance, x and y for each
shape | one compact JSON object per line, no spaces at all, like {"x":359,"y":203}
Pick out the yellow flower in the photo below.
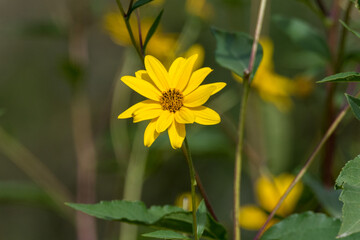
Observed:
{"x":185,"y":201}
{"x":175,"y":98}
{"x":200,"y":8}
{"x":271,"y":86}
{"x":268,"y":192}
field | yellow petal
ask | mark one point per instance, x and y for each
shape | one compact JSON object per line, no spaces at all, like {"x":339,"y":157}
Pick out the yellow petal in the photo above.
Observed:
{"x":130,"y":111}
{"x":196,"y":49}
{"x":184,"y":115}
{"x":205,"y":115}
{"x":199,"y":96}
{"x":218,"y":85}
{"x":175,"y":71}
{"x":142,"y":87}
{"x":196,"y":79}
{"x":164,"y":121}
{"x":177,"y":134}
{"x":185,"y":201}
{"x":150,"y":133}
{"x":252,"y":218}
{"x":146,"y":114}
{"x":183,"y":74}
{"x":157,"y":72}
{"x":269,"y":191}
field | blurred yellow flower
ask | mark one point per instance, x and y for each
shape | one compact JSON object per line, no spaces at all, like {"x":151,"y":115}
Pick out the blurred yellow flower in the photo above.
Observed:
{"x":175,"y":98}
{"x":273,"y":87}
{"x":185,"y":201}
{"x":268,"y":192}
{"x":161,"y":45}
{"x":199,"y":8}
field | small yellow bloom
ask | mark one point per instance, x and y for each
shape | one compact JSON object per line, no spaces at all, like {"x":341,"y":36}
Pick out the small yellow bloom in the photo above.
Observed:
{"x":252,"y":218}
{"x":268,"y":192}
{"x":200,"y":8}
{"x":175,"y":98}
{"x":185,"y":201}
{"x":271,"y":86}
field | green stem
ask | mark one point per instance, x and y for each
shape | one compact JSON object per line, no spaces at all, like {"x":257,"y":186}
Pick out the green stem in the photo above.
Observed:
{"x":238,"y":159}
{"x":240,"y":141}
{"x":186,"y":150}
{"x":36,"y":171}
{"x":343,"y":37}
{"x":128,"y":27}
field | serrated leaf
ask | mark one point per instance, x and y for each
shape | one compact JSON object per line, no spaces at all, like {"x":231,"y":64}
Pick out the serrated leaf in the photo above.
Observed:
{"x":152,"y":29}
{"x":164,"y":217}
{"x":349,"y":181}
{"x":201,"y":218}
{"x":165,"y":234}
{"x":306,"y":226}
{"x":354,"y":104}
{"x":233,"y":50}
{"x":136,"y":5}
{"x":350,"y":29}
{"x":303,"y":35}
{"x":342,"y":77}
{"x":328,"y":198}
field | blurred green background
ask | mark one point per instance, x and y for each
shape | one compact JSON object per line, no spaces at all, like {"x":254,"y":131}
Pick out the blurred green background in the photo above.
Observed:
{"x":36,"y":100}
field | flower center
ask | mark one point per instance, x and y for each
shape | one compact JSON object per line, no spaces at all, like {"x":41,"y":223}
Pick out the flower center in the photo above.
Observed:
{"x":171,"y":100}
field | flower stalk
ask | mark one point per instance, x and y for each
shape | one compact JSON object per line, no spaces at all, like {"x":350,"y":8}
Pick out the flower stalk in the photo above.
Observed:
{"x":186,"y":151}
{"x":128,"y":27}
{"x":242,"y":117}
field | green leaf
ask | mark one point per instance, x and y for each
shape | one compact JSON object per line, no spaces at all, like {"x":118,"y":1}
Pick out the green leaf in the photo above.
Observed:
{"x":44,"y":28}
{"x":2,"y":112}
{"x":306,"y":226}
{"x":303,"y":35}
{"x":73,"y":73}
{"x":354,"y":104}
{"x":137,"y":4}
{"x":152,"y":29}
{"x":349,"y":181}
{"x":342,"y":77}
{"x":164,"y":217}
{"x":201,"y":218}
{"x":233,"y":50}
{"x":328,"y":198}
{"x":350,"y":29}
{"x":23,"y":192}
{"x":165,"y":234}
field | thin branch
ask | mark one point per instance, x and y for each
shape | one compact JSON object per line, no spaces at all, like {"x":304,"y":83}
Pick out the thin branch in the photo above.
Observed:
{"x":242,"y":117}
{"x":204,"y":195}
{"x":139,"y":31}
{"x":322,"y":7}
{"x":128,"y":27}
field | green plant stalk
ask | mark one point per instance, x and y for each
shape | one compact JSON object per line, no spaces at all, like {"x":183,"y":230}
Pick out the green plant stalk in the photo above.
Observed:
{"x":303,"y":170}
{"x":37,"y":171}
{"x":128,"y":27}
{"x":134,"y":180}
{"x":238,"y":158}
{"x":242,"y":117}
{"x":186,"y":150}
